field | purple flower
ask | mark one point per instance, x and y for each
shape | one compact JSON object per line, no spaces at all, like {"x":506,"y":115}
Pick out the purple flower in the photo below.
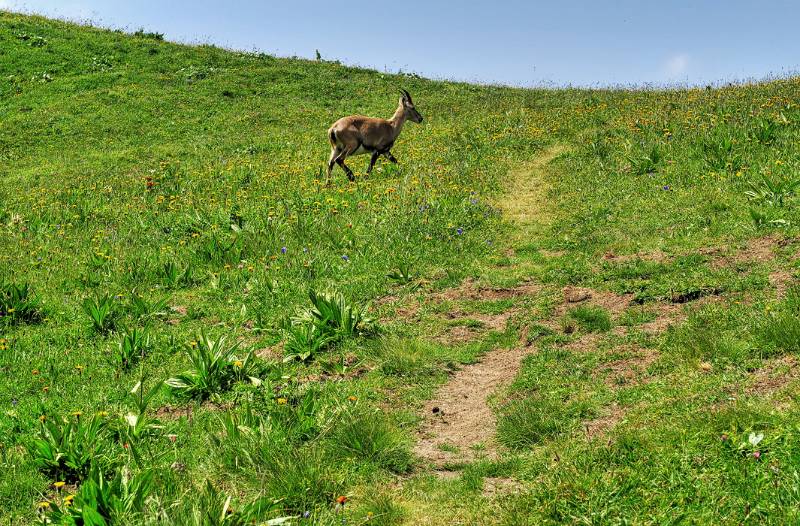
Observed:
{"x":283,"y":250}
{"x":459,"y":231}
{"x":306,"y":514}
{"x":666,"y":187}
{"x":345,"y":258}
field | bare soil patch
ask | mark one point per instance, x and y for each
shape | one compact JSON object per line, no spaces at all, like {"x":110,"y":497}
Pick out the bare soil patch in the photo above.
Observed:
{"x":781,"y":280}
{"x":599,"y":426}
{"x":494,"y":487}
{"x":656,"y":256}
{"x":756,"y":250}
{"x":774,"y":376}
{"x":459,"y":417}
{"x":471,"y":290}
{"x":615,"y":304}
{"x":627,"y":371}
{"x":169,"y":412}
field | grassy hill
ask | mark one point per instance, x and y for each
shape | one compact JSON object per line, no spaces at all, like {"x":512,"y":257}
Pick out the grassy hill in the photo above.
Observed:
{"x":163,"y":217}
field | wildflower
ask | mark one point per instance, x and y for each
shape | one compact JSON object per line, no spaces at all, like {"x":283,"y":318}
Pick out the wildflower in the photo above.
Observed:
{"x":283,"y":250}
{"x":306,"y":514}
{"x":459,"y":231}
{"x":757,"y":455}
{"x":43,"y":505}
{"x":345,"y":258}
{"x":35,"y":372}
{"x":45,"y":389}
{"x":102,"y":413}
{"x":60,"y":484}
{"x":237,"y":364}
{"x":281,"y":401}
{"x":42,"y":418}
{"x":352,"y":398}
{"x":68,"y":500}
{"x":76,"y":413}
{"x":341,"y":500}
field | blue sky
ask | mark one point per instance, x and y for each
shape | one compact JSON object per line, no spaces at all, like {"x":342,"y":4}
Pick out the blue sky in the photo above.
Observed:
{"x":578,"y":42}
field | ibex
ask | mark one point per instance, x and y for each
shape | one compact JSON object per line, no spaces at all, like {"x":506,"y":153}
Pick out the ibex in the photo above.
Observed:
{"x":357,"y":135}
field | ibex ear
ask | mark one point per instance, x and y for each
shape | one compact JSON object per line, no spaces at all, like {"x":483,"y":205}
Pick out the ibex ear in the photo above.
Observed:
{"x":407,"y":96}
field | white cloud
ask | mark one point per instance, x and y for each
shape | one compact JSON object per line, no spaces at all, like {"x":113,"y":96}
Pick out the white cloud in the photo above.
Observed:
{"x":676,"y":66}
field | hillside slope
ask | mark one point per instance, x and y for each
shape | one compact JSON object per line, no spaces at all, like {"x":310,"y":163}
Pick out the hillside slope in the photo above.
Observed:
{"x":160,"y":201}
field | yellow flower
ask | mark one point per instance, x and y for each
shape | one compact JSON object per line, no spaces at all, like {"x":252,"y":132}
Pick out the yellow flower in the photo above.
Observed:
{"x":76,"y":413}
{"x":68,"y":500}
{"x":102,"y":413}
{"x":237,"y":363}
{"x":59,"y":484}
{"x":281,"y":401}
{"x":352,"y":398}
{"x":43,"y":505}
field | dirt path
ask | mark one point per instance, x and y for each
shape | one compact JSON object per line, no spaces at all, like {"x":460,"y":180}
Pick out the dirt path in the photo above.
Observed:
{"x":459,"y":424}
{"x":525,"y":202}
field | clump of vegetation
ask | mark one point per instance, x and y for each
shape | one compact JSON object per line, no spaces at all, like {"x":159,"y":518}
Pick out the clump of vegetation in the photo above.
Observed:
{"x":330,"y":319}
{"x":215,"y":367}
{"x":67,"y":449}
{"x":132,"y":347}
{"x":368,"y":436}
{"x":591,"y":318}
{"x":18,"y":304}
{"x":102,"y":312}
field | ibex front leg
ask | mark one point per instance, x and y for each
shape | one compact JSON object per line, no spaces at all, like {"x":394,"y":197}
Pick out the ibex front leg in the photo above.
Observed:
{"x":372,"y":161}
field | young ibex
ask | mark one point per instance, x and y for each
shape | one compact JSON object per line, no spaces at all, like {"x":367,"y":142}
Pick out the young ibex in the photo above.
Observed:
{"x":357,"y":135}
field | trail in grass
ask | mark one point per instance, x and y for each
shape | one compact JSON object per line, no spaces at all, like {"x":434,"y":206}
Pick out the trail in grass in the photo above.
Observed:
{"x":459,"y":425}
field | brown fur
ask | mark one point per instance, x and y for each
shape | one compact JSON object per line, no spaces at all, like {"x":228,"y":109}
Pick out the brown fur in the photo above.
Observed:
{"x":357,"y":135}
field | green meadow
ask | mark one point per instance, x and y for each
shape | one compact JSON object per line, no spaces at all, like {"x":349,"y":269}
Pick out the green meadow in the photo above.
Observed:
{"x":195,"y":329}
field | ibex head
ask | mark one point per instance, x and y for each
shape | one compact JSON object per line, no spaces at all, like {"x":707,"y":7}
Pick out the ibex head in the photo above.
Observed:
{"x":410,"y":111}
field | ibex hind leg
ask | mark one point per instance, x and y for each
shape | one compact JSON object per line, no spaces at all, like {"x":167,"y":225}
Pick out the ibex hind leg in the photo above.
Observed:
{"x":335,"y":153}
{"x":340,"y":161}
